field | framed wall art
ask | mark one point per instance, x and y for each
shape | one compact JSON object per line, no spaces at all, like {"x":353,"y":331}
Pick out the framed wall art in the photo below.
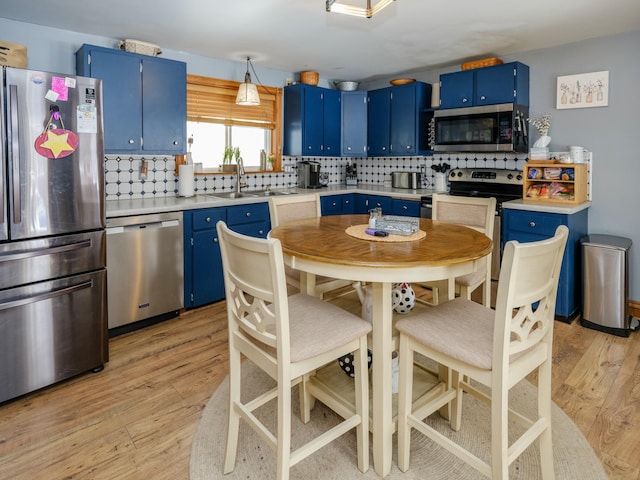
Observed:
{"x":583,"y":90}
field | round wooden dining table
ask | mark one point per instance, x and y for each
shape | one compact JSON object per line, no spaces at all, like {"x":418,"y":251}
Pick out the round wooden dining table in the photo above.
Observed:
{"x":322,"y":246}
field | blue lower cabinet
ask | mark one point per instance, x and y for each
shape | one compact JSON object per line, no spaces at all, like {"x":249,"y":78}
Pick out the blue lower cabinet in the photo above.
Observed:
{"x":364,"y":203}
{"x":203,"y":278}
{"x":529,"y":226}
{"x":337,"y":204}
{"x":407,"y":208}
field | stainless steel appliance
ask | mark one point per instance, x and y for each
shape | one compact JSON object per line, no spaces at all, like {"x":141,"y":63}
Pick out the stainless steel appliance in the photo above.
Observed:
{"x":53,"y":309}
{"x":488,"y":128}
{"x":502,"y":184}
{"x":146,"y":269}
{"x":309,"y":174}
{"x":411,"y":180}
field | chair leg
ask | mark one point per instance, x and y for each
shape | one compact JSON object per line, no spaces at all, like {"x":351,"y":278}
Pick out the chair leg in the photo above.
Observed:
{"x":405,"y":393}
{"x":307,"y":401}
{"x":233,"y":418}
{"x":456,"y":404}
{"x":499,"y":434}
{"x":283,"y":448}
{"x":544,"y":411}
{"x":362,"y":405}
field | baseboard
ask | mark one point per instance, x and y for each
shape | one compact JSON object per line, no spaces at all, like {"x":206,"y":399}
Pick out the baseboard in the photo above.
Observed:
{"x":634,"y":309}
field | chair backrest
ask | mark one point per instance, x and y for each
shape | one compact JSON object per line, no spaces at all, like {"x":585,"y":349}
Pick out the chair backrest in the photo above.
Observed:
{"x":256,"y":292}
{"x":288,"y":208}
{"x":474,"y":212}
{"x":526,"y":299}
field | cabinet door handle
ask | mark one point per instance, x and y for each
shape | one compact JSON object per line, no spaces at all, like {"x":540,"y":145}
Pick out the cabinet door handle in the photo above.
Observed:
{"x":215,"y":240}
{"x":404,"y":207}
{"x":208,"y":220}
{"x":464,"y":100}
{"x":248,"y":214}
{"x":482,"y":97}
{"x":175,"y":142}
{"x":131,"y":141}
{"x":532,"y":224}
{"x":261,"y":232}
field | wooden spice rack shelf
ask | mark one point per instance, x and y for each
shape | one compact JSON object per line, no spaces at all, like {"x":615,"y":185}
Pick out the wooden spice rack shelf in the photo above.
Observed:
{"x":559,"y":183}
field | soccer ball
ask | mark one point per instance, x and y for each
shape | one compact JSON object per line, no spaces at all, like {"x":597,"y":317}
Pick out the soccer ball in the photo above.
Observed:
{"x":347,"y":366}
{"x":404,"y":298}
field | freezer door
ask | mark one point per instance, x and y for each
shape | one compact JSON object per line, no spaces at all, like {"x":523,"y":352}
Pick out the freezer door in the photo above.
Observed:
{"x":51,"y":331}
{"x":50,"y":192}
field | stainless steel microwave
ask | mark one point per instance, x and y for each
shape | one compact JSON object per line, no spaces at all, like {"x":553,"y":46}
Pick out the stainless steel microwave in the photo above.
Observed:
{"x":487,"y":128}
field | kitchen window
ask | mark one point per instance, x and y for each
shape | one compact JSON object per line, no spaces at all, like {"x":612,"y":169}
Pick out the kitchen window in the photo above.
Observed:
{"x":215,"y":121}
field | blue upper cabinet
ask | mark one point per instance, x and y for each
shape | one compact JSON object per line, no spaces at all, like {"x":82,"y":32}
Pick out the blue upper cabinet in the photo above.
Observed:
{"x":379,"y":122}
{"x":145,"y":100}
{"x":506,"y":83}
{"x":311,"y":121}
{"x":397,"y":124}
{"x":354,"y":124}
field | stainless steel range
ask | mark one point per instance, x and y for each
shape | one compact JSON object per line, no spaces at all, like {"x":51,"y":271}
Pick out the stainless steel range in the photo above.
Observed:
{"x":502,"y":184}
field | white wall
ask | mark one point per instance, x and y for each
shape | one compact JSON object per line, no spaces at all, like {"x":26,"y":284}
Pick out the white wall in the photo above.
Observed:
{"x":612,"y":132}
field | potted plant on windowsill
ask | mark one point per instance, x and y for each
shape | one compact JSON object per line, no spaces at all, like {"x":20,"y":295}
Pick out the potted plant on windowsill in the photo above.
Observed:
{"x":227,"y":160}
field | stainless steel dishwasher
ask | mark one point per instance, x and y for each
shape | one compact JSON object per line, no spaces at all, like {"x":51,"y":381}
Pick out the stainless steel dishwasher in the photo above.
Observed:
{"x":145,"y":270}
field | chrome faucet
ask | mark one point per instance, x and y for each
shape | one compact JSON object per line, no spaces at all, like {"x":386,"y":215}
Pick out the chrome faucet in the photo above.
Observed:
{"x":240,"y":181}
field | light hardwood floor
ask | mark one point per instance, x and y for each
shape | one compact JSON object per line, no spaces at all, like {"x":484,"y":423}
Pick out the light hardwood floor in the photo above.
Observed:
{"x":135,"y":420}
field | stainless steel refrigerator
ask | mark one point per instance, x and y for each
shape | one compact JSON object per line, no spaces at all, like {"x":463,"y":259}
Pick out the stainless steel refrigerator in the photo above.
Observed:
{"x":53,"y":309}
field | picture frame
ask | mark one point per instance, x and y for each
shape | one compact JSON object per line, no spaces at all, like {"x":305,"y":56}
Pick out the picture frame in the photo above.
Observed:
{"x":584,"y":90}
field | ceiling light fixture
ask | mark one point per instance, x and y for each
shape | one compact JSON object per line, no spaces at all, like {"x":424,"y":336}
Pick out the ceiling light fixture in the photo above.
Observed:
{"x":248,"y":92}
{"x":368,"y":12}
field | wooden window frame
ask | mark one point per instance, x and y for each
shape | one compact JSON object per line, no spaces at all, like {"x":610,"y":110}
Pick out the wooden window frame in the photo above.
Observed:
{"x":212,"y":100}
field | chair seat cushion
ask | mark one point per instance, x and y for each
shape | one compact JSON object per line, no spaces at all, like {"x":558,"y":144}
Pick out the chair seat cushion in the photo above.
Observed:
{"x":461,"y":329}
{"x":471,"y":279}
{"x":317,"y":326}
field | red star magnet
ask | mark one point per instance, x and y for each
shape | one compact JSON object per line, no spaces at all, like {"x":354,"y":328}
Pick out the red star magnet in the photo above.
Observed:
{"x":57,"y":143}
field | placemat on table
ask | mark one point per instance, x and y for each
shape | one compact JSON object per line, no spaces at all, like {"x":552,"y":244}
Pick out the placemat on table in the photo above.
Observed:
{"x":358,"y":231}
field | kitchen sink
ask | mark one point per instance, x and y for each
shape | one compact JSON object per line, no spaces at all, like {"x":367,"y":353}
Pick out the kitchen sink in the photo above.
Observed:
{"x":232,"y":195}
{"x":252,"y":194}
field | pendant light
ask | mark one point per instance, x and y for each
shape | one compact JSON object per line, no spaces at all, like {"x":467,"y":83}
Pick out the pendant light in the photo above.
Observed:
{"x":247,"y":92}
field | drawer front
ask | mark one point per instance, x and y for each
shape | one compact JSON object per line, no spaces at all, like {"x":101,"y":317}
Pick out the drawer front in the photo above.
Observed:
{"x":253,"y":229}
{"x":536,"y":223}
{"x":253,"y":212}
{"x":408,"y":208}
{"x":208,"y":217}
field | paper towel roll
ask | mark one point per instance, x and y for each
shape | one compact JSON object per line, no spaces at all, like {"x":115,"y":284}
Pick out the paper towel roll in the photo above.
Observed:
{"x":185,"y":181}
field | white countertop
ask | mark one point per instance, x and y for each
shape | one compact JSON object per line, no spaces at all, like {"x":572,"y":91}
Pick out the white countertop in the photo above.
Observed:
{"x":538,"y":206}
{"x":143,"y":206}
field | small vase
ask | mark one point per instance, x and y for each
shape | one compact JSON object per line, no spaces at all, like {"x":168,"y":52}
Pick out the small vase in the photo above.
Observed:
{"x":542,"y":142}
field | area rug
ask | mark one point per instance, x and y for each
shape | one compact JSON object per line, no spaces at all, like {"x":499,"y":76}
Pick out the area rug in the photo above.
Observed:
{"x":573,"y":456}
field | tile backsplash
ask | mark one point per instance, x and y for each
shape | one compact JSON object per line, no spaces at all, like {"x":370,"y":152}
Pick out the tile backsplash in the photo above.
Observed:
{"x":124,"y":178}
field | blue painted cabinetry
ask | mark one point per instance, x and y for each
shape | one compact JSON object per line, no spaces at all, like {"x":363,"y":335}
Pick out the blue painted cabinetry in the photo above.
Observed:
{"x":396,"y":120}
{"x":506,"y":83}
{"x":354,"y":124}
{"x":203,"y":278}
{"x":530,"y":226}
{"x":144,"y":100}
{"x":337,"y":204}
{"x":311,"y":121}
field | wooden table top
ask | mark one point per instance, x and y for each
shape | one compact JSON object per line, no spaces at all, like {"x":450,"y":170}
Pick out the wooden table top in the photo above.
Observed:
{"x":323,"y":239}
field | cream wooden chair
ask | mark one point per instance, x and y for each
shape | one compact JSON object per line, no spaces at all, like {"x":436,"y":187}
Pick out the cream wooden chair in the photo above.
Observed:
{"x":494,"y":348}
{"x":474,"y":212}
{"x":287,"y":337}
{"x":289,"y":208}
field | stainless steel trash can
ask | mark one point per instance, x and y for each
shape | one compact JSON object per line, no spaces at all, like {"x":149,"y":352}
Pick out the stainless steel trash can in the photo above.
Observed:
{"x":605,"y":283}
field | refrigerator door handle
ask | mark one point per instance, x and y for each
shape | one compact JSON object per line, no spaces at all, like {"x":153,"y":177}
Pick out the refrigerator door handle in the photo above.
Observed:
{"x":36,"y":252}
{"x":14,"y":141}
{"x":45,"y":296}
